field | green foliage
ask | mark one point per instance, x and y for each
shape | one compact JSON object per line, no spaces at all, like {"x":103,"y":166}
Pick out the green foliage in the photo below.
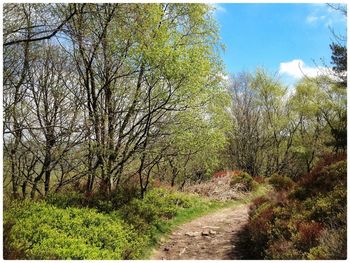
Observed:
{"x":64,"y":199}
{"x":158,"y":205}
{"x":244,"y":181}
{"x":118,"y":198}
{"x":39,"y":230}
{"x":43,"y":231}
{"x":280,"y":182}
{"x":331,"y":207}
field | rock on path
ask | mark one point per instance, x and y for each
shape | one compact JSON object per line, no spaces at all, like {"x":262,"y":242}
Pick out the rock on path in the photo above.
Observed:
{"x":209,"y":237}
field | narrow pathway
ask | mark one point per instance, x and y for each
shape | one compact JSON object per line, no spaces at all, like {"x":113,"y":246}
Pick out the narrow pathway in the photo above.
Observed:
{"x":213,"y":236}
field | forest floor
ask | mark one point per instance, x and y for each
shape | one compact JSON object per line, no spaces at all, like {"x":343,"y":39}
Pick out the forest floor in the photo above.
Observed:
{"x":213,"y":236}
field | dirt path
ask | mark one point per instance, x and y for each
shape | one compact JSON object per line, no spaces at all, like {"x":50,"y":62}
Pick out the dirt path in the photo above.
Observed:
{"x":213,"y":236}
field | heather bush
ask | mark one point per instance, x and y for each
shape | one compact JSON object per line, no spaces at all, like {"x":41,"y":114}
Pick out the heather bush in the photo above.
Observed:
{"x":282,"y":249}
{"x":281,"y":183}
{"x":302,"y":220}
{"x":258,"y":202}
{"x":325,"y":177}
{"x":259,"y":179}
{"x":259,"y":228}
{"x":332,"y":245}
{"x":300,"y":193}
{"x":307,"y":235}
{"x":331,"y":207}
{"x":243,"y":181}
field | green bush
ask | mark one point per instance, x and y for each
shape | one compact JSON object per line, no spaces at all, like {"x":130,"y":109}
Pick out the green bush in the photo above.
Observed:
{"x":281,"y":183}
{"x":243,"y":181}
{"x":158,"y":205}
{"x":66,"y":199}
{"x":65,"y":227}
{"x":331,"y":207}
{"x":118,"y":198}
{"x":43,"y":231}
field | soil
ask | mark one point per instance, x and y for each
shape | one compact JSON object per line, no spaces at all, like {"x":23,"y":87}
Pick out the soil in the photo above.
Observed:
{"x":214,"y":236}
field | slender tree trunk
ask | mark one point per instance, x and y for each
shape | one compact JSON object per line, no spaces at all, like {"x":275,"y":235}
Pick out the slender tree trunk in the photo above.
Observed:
{"x":14,"y":178}
{"x":35,"y":185}
{"x":47,"y":181}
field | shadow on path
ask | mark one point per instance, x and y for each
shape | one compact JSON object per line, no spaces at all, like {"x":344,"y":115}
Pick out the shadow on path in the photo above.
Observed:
{"x":242,"y":247}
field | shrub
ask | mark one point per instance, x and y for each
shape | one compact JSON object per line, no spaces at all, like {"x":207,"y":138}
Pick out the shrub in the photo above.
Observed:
{"x":259,"y":179}
{"x":158,"y":205}
{"x":332,"y":245}
{"x":281,"y":183}
{"x":243,"y":181}
{"x":308,"y":234}
{"x":141,"y":215}
{"x":118,"y":198}
{"x":43,"y":231}
{"x":258,"y":202}
{"x":308,"y":222}
{"x":330,"y":208}
{"x":300,"y":193}
{"x":282,"y":249}
{"x":124,"y":194}
{"x":325,"y":177}
{"x":66,"y":199}
{"x":259,"y":228}
{"x":9,"y":251}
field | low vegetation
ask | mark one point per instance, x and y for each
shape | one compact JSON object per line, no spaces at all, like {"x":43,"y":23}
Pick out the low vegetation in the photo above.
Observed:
{"x":306,"y":221}
{"x":116,"y":116}
{"x":281,"y":182}
{"x":243,"y":181}
{"x":64,"y":227}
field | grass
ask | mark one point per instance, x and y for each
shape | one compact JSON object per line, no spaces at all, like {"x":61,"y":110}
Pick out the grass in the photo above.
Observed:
{"x":205,"y":206}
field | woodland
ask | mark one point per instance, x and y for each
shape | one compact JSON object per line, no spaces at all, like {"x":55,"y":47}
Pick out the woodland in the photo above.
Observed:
{"x":112,"y":113}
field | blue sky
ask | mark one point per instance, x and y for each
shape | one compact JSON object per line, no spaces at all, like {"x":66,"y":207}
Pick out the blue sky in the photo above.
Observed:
{"x":267,"y":35}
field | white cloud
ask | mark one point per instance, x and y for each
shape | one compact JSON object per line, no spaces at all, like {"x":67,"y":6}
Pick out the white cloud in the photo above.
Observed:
{"x":311,"y":19}
{"x":324,"y":14}
{"x":298,"y":69}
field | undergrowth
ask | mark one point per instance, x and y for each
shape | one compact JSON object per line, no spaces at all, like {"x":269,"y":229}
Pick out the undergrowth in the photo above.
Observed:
{"x":305,"y":219}
{"x":66,"y":227}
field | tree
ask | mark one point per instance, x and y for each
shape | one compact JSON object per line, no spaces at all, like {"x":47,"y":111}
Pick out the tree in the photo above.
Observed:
{"x":263,"y":125}
{"x":246,"y":135}
{"x":92,"y":90}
